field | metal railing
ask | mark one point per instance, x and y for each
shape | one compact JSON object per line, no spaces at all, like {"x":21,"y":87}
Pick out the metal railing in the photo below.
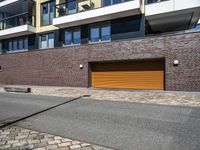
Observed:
{"x":77,"y":6}
{"x":17,"y":20}
{"x":154,"y":1}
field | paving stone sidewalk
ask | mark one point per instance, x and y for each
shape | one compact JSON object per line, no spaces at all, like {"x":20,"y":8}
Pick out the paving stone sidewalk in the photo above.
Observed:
{"x":17,"y":138}
{"x":152,"y":97}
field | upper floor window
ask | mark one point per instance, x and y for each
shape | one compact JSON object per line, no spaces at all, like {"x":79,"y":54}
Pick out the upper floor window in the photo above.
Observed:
{"x":18,"y":44}
{"x":71,"y":6}
{"x":47,"y":13}
{"x":100,"y":32}
{"x":46,"y":41}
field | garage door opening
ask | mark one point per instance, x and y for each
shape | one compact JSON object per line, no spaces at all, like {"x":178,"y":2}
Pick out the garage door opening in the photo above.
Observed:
{"x":140,"y":74}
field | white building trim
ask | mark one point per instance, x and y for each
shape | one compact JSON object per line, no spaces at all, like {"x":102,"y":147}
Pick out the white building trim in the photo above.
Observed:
{"x":6,"y":2}
{"x":100,"y":14}
{"x":17,"y":31}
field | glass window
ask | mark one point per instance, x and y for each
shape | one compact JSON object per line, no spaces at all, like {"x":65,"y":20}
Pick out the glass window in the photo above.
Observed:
{"x":72,"y":37}
{"x":46,"y":41}
{"x":107,"y":2}
{"x":94,"y":34}
{"x":21,"y":44}
{"x":15,"y":45}
{"x":45,"y":8}
{"x":51,"y":6}
{"x":1,"y":22}
{"x":51,"y":40}
{"x":100,"y":32}
{"x":45,"y":16}
{"x":51,"y":12}
{"x":43,"y":41}
{"x":77,"y":37}
{"x":26,"y":44}
{"x":111,"y":2}
{"x":117,"y":1}
{"x":18,"y":44}
{"x":154,"y":1}
{"x":105,"y":32}
{"x":68,"y":38}
{"x":47,"y":13}
{"x":10,"y":45}
{"x":72,"y":7}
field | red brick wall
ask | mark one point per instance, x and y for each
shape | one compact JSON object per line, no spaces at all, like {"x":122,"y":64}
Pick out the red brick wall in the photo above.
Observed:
{"x":60,"y":66}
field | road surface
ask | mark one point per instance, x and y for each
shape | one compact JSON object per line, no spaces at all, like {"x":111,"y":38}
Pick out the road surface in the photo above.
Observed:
{"x":119,"y":125}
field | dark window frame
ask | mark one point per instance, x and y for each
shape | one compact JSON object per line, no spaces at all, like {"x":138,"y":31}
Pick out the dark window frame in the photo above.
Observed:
{"x":100,"y":25}
{"x":49,"y":12}
{"x":24,"y":46}
{"x":47,"y":39}
{"x":72,"y":30}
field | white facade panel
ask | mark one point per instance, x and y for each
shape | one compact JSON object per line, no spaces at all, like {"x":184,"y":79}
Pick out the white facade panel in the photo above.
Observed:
{"x":170,"y":6}
{"x":159,"y":8}
{"x":99,"y":14}
{"x":186,"y":4}
{"x":6,"y":2}
{"x":17,"y":31}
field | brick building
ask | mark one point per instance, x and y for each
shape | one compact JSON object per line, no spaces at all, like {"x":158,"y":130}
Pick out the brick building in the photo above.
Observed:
{"x":101,"y":44}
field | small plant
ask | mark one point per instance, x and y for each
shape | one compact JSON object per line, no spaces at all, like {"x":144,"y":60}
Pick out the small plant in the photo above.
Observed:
{"x":61,"y":11}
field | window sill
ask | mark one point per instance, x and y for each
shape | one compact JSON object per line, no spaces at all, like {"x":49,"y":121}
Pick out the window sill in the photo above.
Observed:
{"x":71,"y":45}
{"x":46,"y":48}
{"x":10,"y":52}
{"x":99,"y":42}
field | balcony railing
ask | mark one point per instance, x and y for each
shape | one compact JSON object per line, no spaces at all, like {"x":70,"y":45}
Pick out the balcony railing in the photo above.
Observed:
{"x":17,"y":20}
{"x":154,"y":1}
{"x":77,"y":6}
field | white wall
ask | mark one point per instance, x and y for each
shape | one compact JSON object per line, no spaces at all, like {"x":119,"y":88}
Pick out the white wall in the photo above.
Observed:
{"x":169,"y":6}
{"x":158,"y":8}
{"x":100,"y":14}
{"x":6,"y":2}
{"x":17,"y":31}
{"x":185,"y":4}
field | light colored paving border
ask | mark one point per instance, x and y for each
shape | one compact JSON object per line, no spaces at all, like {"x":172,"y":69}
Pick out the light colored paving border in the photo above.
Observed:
{"x":17,"y":138}
{"x":151,"y":97}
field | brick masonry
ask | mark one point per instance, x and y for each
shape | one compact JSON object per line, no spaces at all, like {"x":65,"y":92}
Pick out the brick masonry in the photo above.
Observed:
{"x":60,"y":66}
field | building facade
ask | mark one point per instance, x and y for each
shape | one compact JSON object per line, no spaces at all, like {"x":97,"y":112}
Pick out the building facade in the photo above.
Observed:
{"x":101,"y":43}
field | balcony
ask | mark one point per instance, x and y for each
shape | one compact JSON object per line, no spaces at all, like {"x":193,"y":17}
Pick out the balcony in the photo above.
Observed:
{"x":172,"y":14}
{"x":17,"y":19}
{"x":17,"y":25}
{"x":77,"y":12}
{"x":6,"y":2}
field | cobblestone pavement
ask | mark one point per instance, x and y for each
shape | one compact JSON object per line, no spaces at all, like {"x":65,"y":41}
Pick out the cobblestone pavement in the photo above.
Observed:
{"x":155,"y":97}
{"x":17,"y":138}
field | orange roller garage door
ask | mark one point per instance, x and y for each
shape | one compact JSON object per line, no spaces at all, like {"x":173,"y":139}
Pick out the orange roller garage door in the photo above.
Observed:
{"x":148,"y":74}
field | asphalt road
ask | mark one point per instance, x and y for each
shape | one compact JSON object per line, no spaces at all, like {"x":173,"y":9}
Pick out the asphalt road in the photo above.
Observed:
{"x":17,"y":106}
{"x":123,"y":126}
